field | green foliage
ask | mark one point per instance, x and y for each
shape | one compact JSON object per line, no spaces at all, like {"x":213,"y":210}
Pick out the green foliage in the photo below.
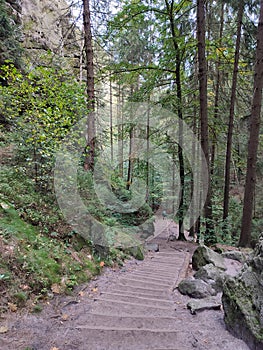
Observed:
{"x":42,"y":106}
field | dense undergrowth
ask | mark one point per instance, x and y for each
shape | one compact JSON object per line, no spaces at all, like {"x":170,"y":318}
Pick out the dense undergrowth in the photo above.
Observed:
{"x":40,"y":255}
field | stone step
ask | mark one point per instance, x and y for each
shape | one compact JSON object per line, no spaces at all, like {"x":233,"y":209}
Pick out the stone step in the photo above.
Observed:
{"x":145,"y":285}
{"x":135,"y":322}
{"x":136,"y":299}
{"x":152,"y":277}
{"x":143,"y":293}
{"x":125,"y":339}
{"x":159,"y":271}
{"x":145,"y":282}
{"x":130,"y":309}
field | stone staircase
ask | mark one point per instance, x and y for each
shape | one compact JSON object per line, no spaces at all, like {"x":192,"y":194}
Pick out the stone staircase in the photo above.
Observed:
{"x":137,"y":311}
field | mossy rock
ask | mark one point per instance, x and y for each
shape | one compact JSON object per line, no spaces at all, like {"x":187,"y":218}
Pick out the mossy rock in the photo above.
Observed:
{"x":137,"y":252}
{"x":241,"y":315}
{"x":204,"y":255}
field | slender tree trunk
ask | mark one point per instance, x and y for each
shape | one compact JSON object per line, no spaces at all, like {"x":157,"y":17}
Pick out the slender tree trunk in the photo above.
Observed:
{"x":202,"y":67}
{"x":147,"y":156}
{"x":111,"y":123}
{"x":245,"y":237}
{"x":179,"y":103}
{"x":120,"y":130}
{"x":217,"y":89}
{"x":131,"y":160}
{"x":89,"y":164}
{"x":232,"y":112}
{"x":194,"y":168}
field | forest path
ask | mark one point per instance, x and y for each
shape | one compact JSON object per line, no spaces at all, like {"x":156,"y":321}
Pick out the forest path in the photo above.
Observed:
{"x":136,"y":307}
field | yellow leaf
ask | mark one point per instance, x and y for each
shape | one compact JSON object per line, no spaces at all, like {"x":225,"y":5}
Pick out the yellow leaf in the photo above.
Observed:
{"x":95,"y":290}
{"x":65,"y":317}
{"x":3,"y":329}
{"x":12,"y":307}
{"x":56,"y":288}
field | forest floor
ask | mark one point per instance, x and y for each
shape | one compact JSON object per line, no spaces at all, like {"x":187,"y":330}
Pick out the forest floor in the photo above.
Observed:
{"x":136,"y":306}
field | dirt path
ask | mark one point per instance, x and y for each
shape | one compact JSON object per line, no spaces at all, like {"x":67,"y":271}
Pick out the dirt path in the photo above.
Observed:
{"x":135,"y":307}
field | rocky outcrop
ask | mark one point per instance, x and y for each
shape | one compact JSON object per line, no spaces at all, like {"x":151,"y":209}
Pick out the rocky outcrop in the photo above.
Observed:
{"x":48,"y":26}
{"x":243,"y":300}
{"x":208,"y":281}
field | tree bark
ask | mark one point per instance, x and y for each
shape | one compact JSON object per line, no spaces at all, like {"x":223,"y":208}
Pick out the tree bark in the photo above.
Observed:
{"x":179,"y":103}
{"x":202,"y":70}
{"x":217,"y":90}
{"x":232,"y":112}
{"x":245,"y":237}
{"x":89,"y":162}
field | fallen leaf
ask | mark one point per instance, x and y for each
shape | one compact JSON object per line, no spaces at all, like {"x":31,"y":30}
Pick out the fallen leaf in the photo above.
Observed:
{"x":12,"y":307}
{"x":3,"y":329}
{"x":56,"y":288}
{"x":102,"y":263}
{"x":81,"y":294}
{"x":95,"y":290}
{"x":65,"y":317}
{"x":24,"y":287}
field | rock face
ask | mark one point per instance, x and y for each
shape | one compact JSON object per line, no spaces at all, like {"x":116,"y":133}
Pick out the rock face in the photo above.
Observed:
{"x":48,"y":26}
{"x":243,"y":301}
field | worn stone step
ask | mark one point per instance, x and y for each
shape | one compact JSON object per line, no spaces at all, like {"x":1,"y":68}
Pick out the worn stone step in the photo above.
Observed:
{"x":147,"y":272}
{"x":139,"y":322}
{"x":163,"y":264}
{"x":152,"y":277}
{"x":155,"y":295}
{"x":136,"y":299}
{"x":130,"y":309}
{"x":149,"y":322}
{"x":136,"y":281}
{"x":141,"y":284}
{"x":104,"y":339}
{"x":159,"y":271}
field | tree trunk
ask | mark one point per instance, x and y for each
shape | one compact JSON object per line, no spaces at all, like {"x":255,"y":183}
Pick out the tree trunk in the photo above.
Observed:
{"x":131,"y":158}
{"x":111,"y":123}
{"x":232,"y":112}
{"x":217,"y":89}
{"x":202,"y":68}
{"x":89,"y":163}
{"x":120,"y":129}
{"x":179,"y":103}
{"x":245,"y":237}
{"x":147,"y":195}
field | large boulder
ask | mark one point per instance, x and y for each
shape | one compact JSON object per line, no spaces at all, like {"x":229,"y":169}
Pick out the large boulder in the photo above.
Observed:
{"x":211,"y":275}
{"x":196,"y":288}
{"x":243,"y":300}
{"x":204,"y":255}
{"x":234,"y":255}
{"x":147,"y":229}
